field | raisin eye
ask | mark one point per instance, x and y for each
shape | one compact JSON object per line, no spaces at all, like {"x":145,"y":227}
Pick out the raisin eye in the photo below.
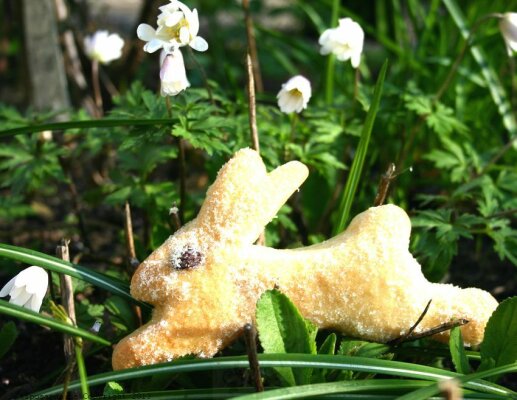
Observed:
{"x":188,"y":259}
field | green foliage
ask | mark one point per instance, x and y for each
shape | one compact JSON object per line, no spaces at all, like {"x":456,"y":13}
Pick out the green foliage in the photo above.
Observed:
{"x":457,"y":349}
{"x":461,"y":194}
{"x":112,"y":389}
{"x":8,"y":335}
{"x":499,"y":346}
{"x":282,"y":329}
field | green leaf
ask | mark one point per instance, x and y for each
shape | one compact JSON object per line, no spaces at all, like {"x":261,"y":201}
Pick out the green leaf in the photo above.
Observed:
{"x":95,"y":123}
{"x":8,"y":335}
{"x":499,"y":346}
{"x":36,"y":318}
{"x":358,"y":364}
{"x":112,"y":389}
{"x":357,"y":165}
{"x":282,"y":329}
{"x":64,"y":267}
{"x":497,"y":90}
{"x":327,"y":347}
{"x":456,"y":346}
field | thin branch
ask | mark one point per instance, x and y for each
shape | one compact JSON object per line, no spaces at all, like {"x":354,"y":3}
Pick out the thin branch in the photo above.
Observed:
{"x":67,"y":300}
{"x":252,"y":105}
{"x":250,"y":336}
{"x":405,"y":337}
{"x":130,"y":242}
{"x":446,"y":326}
{"x":252,"y":46}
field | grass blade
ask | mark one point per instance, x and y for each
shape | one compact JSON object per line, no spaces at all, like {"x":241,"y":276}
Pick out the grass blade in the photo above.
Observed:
{"x":360,"y":155}
{"x":433,"y":389}
{"x":494,"y":85}
{"x":64,"y":267}
{"x":94,"y":123}
{"x":361,"y":386}
{"x":12,"y":310}
{"x":358,"y":364}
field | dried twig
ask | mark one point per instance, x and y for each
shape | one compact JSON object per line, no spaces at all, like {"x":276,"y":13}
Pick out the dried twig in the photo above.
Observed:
{"x":253,"y":123}
{"x":252,"y":46}
{"x":405,"y":337}
{"x":67,"y":300}
{"x":131,"y":253}
{"x":384,"y":185}
{"x":450,"y":389}
{"x":130,"y":242}
{"x":250,"y":336}
{"x":173,"y":212}
{"x":252,"y":105}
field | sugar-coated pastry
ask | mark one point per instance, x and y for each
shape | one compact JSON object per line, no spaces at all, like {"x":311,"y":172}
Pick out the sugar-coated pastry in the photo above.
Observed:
{"x":205,"y":280}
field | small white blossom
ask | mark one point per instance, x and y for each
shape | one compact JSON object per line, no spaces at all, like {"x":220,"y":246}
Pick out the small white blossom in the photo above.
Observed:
{"x":103,"y":47}
{"x":508,"y":27}
{"x":177,"y":26}
{"x":173,"y":74}
{"x":345,"y":42}
{"x":294,"y":95}
{"x":28,"y":288}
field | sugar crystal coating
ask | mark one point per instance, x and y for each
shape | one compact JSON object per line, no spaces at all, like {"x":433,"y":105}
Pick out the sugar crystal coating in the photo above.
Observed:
{"x":205,"y":280}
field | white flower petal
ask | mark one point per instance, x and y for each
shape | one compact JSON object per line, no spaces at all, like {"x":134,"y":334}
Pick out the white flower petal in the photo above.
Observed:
{"x":105,"y":47}
{"x":145,"y":32}
{"x":35,"y":303}
{"x":184,"y":35}
{"x":21,"y":298}
{"x":173,"y":74}
{"x":38,"y":282}
{"x":199,"y":44}
{"x":345,"y":42}
{"x":153,"y":45}
{"x":7,"y":287}
{"x":508,"y":27}
{"x":28,"y":284}
{"x":294,"y":95}
{"x":16,"y":291}
{"x":173,"y":18}
{"x":193,"y":22}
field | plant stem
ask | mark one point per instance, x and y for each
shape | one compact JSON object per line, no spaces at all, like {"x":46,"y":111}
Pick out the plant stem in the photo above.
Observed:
{"x":445,"y":85}
{"x":182,"y":169}
{"x":252,"y":105}
{"x":357,"y":79}
{"x":203,"y":74}
{"x":329,"y":85}
{"x":81,"y":368}
{"x":250,"y":336}
{"x":252,"y":46}
{"x":130,"y":242}
{"x":97,"y":88}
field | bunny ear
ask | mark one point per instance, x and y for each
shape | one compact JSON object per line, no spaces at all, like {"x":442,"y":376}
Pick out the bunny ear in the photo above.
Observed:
{"x":244,"y":198}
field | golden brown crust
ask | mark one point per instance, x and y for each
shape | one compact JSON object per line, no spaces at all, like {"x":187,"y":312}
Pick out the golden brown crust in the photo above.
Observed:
{"x":204,"y":281}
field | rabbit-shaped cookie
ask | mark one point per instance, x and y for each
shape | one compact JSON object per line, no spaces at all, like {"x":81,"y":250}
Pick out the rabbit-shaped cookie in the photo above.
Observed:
{"x":205,"y":280}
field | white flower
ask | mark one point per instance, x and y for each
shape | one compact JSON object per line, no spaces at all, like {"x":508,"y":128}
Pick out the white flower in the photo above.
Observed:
{"x":508,"y":27}
{"x":294,"y":95}
{"x":173,"y":74}
{"x":103,"y":47}
{"x":177,"y":26}
{"x":28,"y":288}
{"x":345,"y":42}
